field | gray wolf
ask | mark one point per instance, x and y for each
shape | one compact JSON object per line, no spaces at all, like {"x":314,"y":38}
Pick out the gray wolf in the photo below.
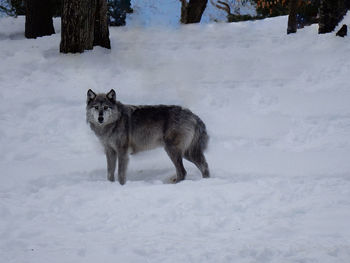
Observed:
{"x":124,"y":129}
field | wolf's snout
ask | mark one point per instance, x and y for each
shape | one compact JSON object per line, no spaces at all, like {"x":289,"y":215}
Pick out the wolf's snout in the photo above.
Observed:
{"x":100,"y":119}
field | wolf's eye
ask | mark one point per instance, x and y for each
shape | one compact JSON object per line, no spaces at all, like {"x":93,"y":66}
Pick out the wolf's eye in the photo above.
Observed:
{"x":96,"y":107}
{"x":105,"y":107}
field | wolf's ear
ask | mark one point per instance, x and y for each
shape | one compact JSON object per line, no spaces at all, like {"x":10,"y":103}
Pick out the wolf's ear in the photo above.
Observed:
{"x":90,"y":95}
{"x":111,"y":95}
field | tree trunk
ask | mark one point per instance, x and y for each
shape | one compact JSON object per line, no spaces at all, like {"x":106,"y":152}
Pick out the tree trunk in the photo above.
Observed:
{"x":192,"y":11}
{"x":84,"y":25}
{"x":76,"y":23}
{"x":331,"y":13}
{"x":292,"y":17}
{"x":38,"y":19}
{"x":184,"y":12}
{"x":101,"y":32}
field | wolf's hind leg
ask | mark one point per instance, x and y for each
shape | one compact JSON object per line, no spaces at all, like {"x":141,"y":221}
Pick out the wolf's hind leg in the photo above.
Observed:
{"x":199,"y":160}
{"x":176,"y":157}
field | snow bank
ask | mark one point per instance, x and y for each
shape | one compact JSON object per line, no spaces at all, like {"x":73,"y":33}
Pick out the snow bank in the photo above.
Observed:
{"x":277,"y":110}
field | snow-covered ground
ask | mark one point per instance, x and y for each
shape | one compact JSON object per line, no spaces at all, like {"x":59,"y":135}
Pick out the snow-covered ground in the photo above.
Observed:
{"x":278,"y":113}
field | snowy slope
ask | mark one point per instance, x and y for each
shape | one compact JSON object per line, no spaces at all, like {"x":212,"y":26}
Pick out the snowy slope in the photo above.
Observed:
{"x":277,"y":110}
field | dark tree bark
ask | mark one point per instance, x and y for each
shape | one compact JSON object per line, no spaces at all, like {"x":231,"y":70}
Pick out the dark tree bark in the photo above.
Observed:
{"x":331,"y":13}
{"x":101,"y":32}
{"x":184,"y":11}
{"x":292,"y":17}
{"x":343,"y":31}
{"x":38,"y":19}
{"x":84,"y":25}
{"x":76,"y":23}
{"x":192,"y":11}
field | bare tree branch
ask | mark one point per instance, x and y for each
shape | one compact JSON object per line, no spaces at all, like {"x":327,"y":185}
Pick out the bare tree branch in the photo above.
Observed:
{"x":7,"y":11}
{"x":226,"y":7}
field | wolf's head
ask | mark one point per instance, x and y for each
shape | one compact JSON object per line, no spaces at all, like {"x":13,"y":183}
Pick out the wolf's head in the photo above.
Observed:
{"x":101,"y":109}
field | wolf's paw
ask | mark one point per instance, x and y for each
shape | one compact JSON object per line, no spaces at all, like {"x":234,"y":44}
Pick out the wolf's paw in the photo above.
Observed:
{"x":111,"y":179}
{"x":175,"y":180}
{"x":172,"y":179}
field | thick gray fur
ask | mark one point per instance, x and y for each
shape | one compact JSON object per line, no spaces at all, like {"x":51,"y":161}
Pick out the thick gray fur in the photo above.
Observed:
{"x":124,"y":129}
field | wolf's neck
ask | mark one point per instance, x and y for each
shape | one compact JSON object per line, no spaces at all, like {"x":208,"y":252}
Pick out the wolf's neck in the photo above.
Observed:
{"x":102,"y":130}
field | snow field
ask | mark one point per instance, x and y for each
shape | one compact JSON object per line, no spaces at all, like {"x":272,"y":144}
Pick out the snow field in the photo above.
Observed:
{"x":277,"y":111}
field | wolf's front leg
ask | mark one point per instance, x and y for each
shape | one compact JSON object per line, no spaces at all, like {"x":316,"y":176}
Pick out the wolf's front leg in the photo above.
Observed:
{"x":123,"y":160}
{"x":111,"y":163}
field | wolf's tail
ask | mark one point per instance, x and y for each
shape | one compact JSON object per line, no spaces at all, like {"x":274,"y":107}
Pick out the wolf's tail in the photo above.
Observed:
{"x":199,"y":143}
{"x":200,"y":139}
